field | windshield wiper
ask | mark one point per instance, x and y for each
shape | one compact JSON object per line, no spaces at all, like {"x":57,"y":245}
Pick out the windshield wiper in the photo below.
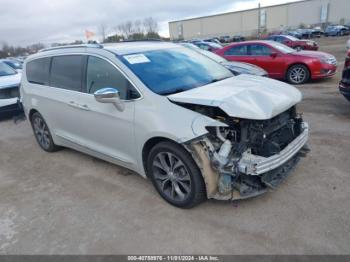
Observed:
{"x":175,"y":91}
{"x":217,"y":80}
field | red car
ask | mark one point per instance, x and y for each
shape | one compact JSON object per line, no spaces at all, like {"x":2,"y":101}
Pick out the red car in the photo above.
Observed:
{"x":282,"y":62}
{"x":344,"y":86}
{"x":294,"y":42}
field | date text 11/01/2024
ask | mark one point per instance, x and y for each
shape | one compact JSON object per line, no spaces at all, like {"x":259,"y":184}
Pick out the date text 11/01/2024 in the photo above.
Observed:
{"x":173,"y":258}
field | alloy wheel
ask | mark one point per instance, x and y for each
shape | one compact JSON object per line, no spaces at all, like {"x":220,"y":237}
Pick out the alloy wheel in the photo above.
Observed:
{"x":171,"y":176}
{"x":41,"y":132}
{"x":298,"y":75}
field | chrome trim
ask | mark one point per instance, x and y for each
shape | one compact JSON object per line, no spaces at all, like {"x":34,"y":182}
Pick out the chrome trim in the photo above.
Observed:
{"x":251,"y":164}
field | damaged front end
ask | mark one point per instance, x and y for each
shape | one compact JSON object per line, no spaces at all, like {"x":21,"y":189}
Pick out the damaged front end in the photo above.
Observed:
{"x":247,"y":157}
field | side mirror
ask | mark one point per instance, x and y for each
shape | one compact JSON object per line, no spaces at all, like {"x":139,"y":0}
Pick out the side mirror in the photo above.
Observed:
{"x":109,"y":95}
{"x":273,"y":55}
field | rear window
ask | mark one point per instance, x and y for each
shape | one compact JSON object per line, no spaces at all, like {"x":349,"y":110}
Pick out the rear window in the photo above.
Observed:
{"x":38,"y":71}
{"x":67,"y":72}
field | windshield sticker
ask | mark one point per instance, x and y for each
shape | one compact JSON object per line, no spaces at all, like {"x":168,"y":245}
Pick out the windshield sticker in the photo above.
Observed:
{"x":136,"y":59}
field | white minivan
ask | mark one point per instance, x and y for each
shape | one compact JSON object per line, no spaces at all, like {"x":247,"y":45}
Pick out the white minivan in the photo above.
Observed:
{"x":168,"y":113}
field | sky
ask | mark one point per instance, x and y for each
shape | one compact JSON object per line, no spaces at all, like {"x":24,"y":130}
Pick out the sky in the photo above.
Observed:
{"x":25,"y":22}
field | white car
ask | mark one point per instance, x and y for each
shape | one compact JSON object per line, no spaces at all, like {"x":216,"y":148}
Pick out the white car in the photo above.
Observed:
{"x":10,"y":80}
{"x":169,"y":114}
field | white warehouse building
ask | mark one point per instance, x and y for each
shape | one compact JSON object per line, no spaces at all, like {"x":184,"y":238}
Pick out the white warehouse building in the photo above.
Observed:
{"x":270,"y":18}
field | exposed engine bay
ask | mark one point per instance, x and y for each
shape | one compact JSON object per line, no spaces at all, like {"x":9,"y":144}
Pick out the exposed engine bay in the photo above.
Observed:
{"x":247,"y":157}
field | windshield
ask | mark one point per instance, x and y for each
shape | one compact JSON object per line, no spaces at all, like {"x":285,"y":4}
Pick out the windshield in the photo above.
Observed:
{"x":214,"y":45}
{"x":292,"y":38}
{"x":174,"y":70}
{"x":5,"y":70}
{"x":14,"y":64}
{"x":282,"y":48}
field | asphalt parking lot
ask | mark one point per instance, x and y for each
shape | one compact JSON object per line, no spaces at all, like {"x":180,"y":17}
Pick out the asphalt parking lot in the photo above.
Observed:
{"x":71,"y":203}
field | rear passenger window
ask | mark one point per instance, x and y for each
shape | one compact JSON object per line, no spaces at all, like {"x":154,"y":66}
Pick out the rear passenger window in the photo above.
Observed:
{"x":240,"y":50}
{"x":260,"y":50}
{"x":67,"y":72}
{"x":38,"y":71}
{"x":101,"y":74}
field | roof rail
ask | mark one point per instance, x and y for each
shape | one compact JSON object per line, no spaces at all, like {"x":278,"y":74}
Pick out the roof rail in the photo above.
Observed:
{"x":72,"y":46}
{"x":141,"y":40}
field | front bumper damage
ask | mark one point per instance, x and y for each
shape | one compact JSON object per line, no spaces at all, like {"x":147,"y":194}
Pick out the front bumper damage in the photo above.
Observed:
{"x":256,"y":165}
{"x":250,"y":175}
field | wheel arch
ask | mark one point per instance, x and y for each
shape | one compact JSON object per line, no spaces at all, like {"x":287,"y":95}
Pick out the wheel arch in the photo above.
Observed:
{"x":31,"y":112}
{"x":297,"y":63}
{"x":149,"y":144}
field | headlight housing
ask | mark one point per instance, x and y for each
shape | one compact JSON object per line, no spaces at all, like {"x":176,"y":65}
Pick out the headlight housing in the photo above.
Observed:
{"x":328,"y":60}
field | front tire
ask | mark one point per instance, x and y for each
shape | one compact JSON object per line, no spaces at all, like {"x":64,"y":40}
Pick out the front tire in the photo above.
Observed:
{"x":42,"y":133}
{"x":298,"y":74}
{"x":175,"y":175}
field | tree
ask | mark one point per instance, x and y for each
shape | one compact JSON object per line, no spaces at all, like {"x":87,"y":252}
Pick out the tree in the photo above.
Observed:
{"x":126,"y":28}
{"x":35,"y":47}
{"x":138,"y":27}
{"x":114,"y":38}
{"x":150,"y":25}
{"x":152,"y":35}
{"x":9,"y":50}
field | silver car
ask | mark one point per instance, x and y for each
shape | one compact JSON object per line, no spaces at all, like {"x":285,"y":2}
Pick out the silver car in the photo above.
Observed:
{"x":168,"y":113}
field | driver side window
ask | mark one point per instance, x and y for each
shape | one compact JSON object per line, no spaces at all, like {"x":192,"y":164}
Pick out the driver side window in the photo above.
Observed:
{"x":101,"y":74}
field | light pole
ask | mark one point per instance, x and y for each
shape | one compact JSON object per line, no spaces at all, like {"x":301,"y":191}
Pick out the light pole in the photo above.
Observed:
{"x":259,"y":20}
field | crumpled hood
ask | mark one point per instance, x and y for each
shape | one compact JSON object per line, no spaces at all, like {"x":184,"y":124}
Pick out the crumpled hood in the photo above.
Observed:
{"x":9,"y":81}
{"x":244,"y":96}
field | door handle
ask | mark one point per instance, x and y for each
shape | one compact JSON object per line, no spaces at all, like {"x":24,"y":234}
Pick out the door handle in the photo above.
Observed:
{"x":72,"y":104}
{"x":75,"y":105}
{"x":84,"y":107}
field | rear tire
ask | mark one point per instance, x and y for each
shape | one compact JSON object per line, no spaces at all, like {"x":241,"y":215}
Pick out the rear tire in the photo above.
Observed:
{"x":298,"y":74}
{"x":175,"y":175}
{"x":42,"y":133}
{"x":298,"y":48}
